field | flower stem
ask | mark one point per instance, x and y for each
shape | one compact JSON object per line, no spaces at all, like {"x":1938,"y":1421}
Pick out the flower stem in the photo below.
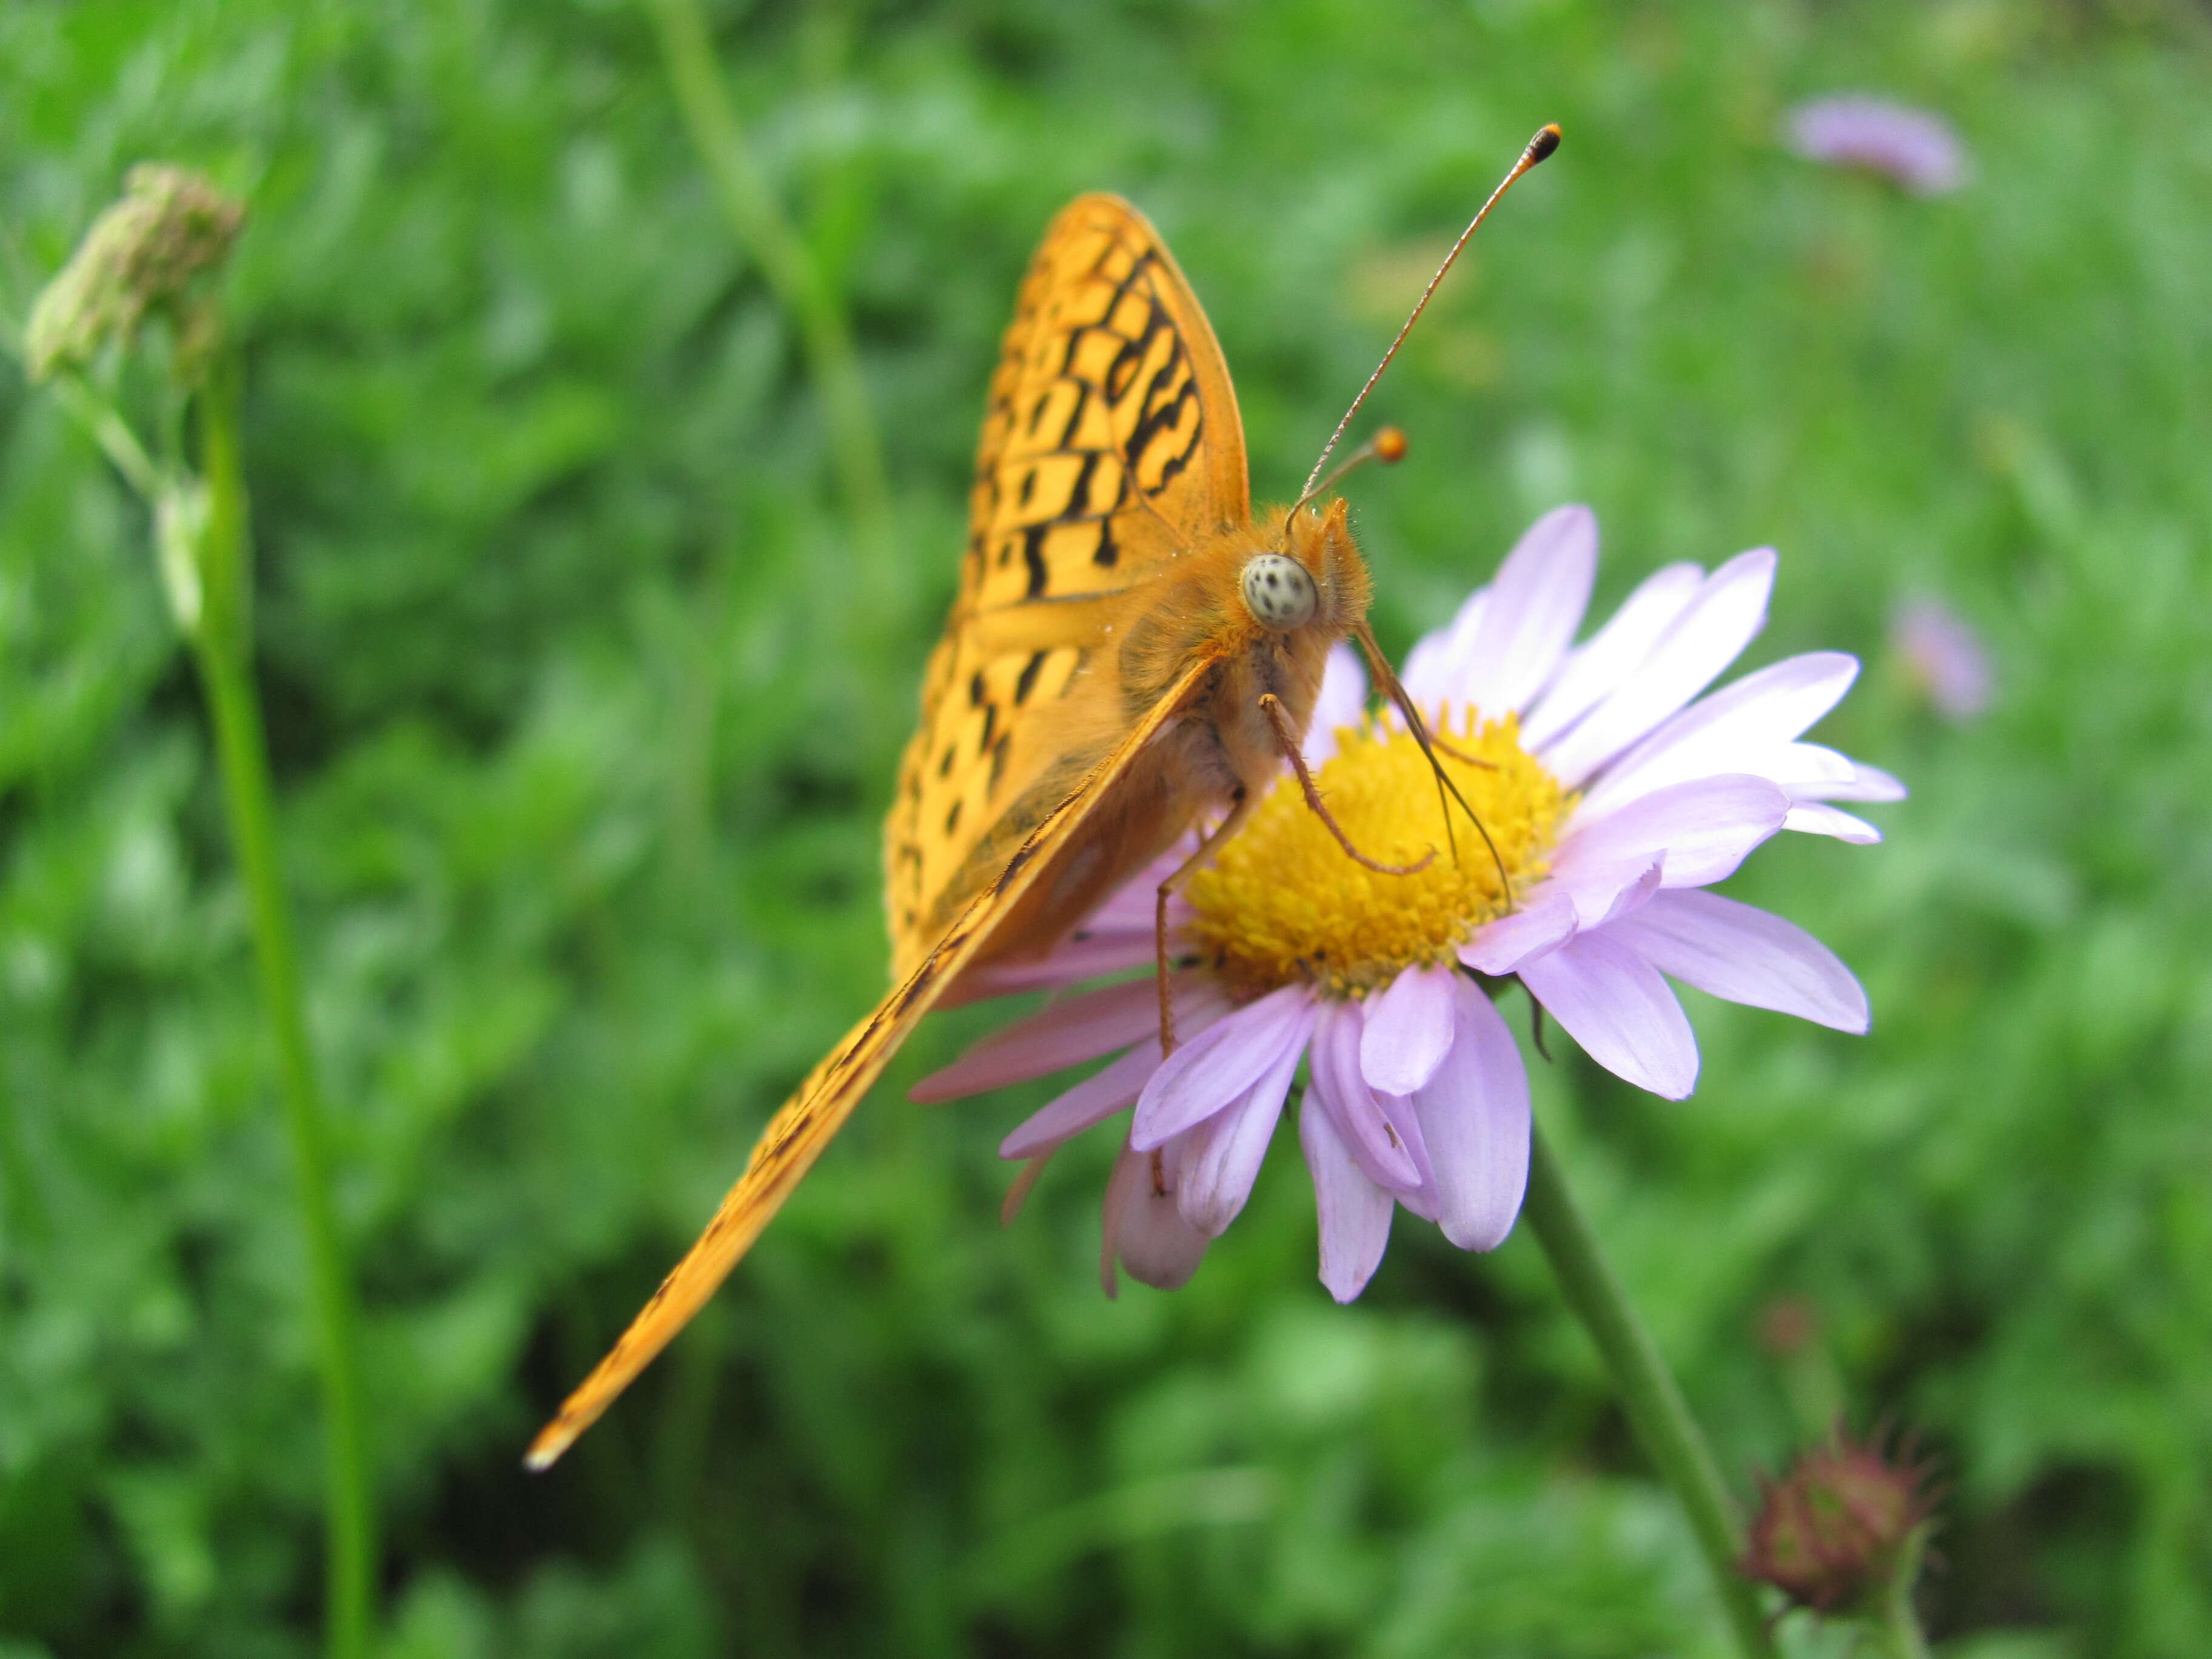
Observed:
{"x":1647,"y":1390}
{"x":221,"y":647}
{"x":1896,"y":1626}
{"x":790,"y":267}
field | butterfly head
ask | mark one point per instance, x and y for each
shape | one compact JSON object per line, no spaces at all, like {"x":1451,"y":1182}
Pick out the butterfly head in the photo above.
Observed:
{"x":1308,"y":578}
{"x":1287,"y":587}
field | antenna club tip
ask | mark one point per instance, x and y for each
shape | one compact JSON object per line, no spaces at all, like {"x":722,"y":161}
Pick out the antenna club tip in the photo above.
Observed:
{"x":1390,"y":446}
{"x":1545,"y":141}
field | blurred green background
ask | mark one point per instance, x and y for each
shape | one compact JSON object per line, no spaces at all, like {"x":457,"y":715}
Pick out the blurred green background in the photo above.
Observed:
{"x":583,"y":724}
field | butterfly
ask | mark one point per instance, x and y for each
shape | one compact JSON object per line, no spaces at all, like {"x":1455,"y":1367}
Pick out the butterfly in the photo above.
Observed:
{"x":1131,"y":648}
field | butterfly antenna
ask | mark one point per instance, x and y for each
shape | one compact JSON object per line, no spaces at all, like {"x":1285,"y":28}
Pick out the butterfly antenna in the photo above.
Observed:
{"x":1388,"y":446}
{"x":1395,"y":689}
{"x":1540,"y":146}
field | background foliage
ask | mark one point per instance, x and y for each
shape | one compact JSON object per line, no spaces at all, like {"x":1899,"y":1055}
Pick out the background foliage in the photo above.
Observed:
{"x":584,"y":725}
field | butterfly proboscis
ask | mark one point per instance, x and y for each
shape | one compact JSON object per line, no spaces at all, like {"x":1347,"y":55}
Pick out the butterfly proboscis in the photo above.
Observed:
{"x":1104,"y":679}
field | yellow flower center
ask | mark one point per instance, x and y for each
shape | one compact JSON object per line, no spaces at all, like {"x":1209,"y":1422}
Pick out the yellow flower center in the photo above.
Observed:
{"x":1282,"y":902}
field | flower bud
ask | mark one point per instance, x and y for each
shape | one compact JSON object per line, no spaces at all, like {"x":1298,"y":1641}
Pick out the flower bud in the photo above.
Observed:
{"x":141,"y":255}
{"x":1837,"y":1530}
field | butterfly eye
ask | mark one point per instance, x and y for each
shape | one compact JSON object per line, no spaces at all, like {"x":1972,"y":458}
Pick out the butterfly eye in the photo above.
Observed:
{"x":1277,"y":591}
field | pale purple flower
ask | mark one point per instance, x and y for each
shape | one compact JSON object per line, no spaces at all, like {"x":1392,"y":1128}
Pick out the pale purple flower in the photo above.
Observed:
{"x":1912,"y":148}
{"x":1417,"y":1096}
{"x":1943,"y":658}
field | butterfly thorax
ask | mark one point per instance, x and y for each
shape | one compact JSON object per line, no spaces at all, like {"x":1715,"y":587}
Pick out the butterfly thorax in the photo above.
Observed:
{"x":1199,"y":610}
{"x":1188,"y":631}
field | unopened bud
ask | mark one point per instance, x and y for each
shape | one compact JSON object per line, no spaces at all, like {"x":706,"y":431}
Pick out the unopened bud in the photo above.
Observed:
{"x":141,"y":255}
{"x":1840,"y":1527}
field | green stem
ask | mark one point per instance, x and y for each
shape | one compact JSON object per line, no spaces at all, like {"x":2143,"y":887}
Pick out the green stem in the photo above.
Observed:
{"x":1647,"y":1391}
{"x":762,"y":225}
{"x":1896,"y":1626}
{"x":221,"y":646}
{"x":112,"y":433}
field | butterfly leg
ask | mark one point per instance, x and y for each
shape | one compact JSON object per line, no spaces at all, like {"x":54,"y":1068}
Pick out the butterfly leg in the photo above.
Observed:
{"x":1240,"y":808}
{"x":1386,"y":676}
{"x":1287,"y":740}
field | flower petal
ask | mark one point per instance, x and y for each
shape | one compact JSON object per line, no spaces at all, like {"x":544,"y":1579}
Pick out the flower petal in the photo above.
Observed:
{"x":1808,"y":767}
{"x":1341,"y":703}
{"x":1433,"y":666}
{"x":1407,"y":1029}
{"x":1544,"y":921}
{"x":1599,"y":891}
{"x":1130,"y":910}
{"x":1143,"y":1229}
{"x":1098,"y":1098}
{"x":1704,"y":829}
{"x":1745,"y":954}
{"x":1632,"y":896}
{"x":1086,"y":955}
{"x":1227,"y":1150}
{"x":1728,"y":613}
{"x":1815,"y":818}
{"x":1218,"y":1065}
{"x":1753,"y":716}
{"x":1595,"y":669}
{"x":1615,"y":1004}
{"x":1867,"y":783}
{"x":1363,"y":1120}
{"x":1536,"y":603}
{"x":1405,"y":1125}
{"x":1117,"y":935}
{"x":1058,"y":1035}
{"x":1474,"y":1124}
{"x":1354,"y":1213}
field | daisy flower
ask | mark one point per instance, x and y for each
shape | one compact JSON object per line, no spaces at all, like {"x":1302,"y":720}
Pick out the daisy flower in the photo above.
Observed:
{"x":1614,"y":796}
{"x":1909,"y":147}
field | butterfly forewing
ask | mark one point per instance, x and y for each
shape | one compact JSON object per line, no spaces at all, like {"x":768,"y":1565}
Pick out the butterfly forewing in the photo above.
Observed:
{"x":810,"y":1119}
{"x":1110,"y":447}
{"x":1110,"y":441}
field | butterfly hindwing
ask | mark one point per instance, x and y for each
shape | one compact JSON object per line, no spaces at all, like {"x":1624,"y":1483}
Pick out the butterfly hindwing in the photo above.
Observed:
{"x":1110,"y":441}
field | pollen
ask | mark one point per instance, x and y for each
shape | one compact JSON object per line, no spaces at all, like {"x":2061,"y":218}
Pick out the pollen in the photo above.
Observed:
{"x":1281,"y":903}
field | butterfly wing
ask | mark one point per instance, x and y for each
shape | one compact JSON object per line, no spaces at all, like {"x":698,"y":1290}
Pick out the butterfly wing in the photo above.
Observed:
{"x":796,"y":1135}
{"x":1110,"y":441}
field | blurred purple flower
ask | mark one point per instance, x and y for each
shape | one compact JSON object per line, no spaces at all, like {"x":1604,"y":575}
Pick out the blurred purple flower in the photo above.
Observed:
{"x":1943,"y":658}
{"x":1912,"y":148}
{"x":1615,"y":792}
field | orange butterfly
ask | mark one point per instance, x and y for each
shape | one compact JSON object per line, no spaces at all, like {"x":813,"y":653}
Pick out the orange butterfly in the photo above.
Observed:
{"x":1131,"y":648}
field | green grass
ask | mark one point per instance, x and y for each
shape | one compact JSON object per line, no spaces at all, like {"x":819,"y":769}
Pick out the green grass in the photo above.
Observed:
{"x":582,"y":736}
